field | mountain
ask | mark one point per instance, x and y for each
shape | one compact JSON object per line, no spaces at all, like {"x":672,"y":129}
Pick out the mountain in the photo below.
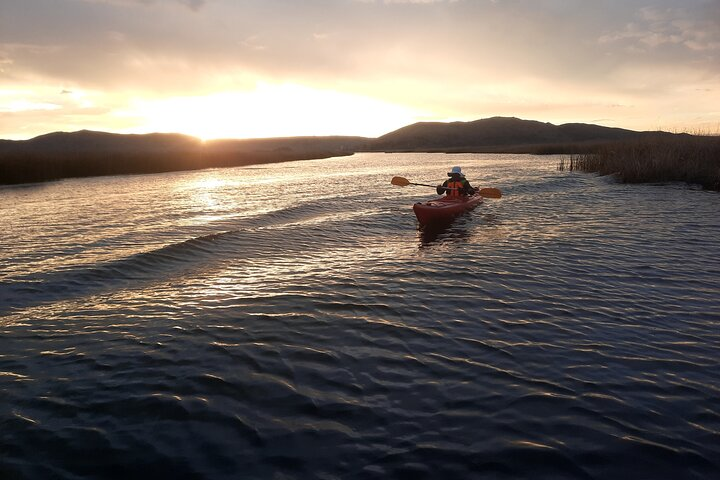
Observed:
{"x":499,"y":134}
{"x":89,"y":153}
{"x":88,"y":140}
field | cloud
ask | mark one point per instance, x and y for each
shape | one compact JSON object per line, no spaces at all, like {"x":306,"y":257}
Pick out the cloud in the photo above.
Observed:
{"x":655,"y":28}
{"x":408,"y":1}
{"x":450,"y":58}
{"x":191,"y":4}
{"x":15,"y":105}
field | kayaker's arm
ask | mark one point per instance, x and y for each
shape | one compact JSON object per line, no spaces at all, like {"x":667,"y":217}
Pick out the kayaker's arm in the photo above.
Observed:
{"x":468,"y":189}
{"x":441,"y":188}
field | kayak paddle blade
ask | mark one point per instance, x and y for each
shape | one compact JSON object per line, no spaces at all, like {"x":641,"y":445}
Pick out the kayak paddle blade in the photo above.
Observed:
{"x":400,"y":181}
{"x":490,"y":193}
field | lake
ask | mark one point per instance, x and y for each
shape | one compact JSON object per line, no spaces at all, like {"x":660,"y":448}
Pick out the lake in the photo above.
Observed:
{"x":292,"y":321}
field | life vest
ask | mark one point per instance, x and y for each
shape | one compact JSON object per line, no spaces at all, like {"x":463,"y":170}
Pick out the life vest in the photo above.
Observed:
{"x":457,"y":186}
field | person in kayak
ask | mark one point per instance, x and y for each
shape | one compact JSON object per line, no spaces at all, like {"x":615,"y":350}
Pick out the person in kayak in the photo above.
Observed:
{"x":457,"y":185}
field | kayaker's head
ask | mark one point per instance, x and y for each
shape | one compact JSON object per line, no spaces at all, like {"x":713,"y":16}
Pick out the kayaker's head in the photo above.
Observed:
{"x":455,"y":172}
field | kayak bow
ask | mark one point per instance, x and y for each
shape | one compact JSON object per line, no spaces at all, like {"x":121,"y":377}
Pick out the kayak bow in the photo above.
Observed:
{"x":445,"y":208}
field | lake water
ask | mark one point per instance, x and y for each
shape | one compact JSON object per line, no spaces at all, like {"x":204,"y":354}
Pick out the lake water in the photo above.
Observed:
{"x":291,"y":321}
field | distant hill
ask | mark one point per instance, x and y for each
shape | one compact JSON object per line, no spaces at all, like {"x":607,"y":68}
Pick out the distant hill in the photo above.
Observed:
{"x":88,"y":140}
{"x":91,"y":140}
{"x":88,"y":153}
{"x":340,"y":144}
{"x":500,"y":134}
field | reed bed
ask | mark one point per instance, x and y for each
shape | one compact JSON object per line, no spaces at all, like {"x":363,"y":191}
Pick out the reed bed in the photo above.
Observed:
{"x":22,"y":167}
{"x":682,"y":158}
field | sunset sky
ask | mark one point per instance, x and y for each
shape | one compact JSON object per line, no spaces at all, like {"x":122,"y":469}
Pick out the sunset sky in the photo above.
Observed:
{"x":259,"y":68}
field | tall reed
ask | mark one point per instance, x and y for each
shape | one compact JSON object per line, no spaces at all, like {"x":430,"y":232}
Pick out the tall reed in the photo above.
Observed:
{"x":682,"y":158}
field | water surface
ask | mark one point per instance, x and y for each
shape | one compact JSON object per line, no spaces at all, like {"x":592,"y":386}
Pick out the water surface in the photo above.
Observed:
{"x":292,"y":321}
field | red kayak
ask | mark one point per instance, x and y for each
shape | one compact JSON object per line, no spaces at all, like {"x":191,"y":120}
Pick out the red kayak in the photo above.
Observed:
{"x":445,"y":208}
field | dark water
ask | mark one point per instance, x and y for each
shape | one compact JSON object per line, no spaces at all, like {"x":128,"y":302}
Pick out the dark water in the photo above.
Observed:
{"x":291,"y":321}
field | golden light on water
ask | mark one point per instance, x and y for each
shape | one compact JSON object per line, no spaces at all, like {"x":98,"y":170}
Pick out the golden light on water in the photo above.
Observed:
{"x":209,"y":183}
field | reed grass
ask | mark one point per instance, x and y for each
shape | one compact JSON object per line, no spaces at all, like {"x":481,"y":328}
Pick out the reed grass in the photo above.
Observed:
{"x":694,"y":159}
{"x":24,"y":167}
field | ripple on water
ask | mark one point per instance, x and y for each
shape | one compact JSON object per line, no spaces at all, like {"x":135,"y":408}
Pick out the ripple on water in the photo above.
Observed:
{"x":568,"y":330}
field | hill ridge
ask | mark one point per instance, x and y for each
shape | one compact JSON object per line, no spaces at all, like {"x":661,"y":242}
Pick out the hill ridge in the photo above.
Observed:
{"x":497,"y":132}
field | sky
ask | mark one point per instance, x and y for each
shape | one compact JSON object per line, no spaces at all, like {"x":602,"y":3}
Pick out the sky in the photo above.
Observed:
{"x":269,"y":68}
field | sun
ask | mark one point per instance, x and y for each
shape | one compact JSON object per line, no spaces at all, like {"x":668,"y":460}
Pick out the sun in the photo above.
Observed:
{"x":270,"y":110}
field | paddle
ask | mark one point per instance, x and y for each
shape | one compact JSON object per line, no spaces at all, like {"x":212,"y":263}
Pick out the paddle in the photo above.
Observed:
{"x":403,"y":182}
{"x":485,"y":192}
{"x":490,"y":192}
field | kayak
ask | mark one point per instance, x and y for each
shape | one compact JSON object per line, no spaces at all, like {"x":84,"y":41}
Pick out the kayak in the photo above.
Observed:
{"x":445,"y":208}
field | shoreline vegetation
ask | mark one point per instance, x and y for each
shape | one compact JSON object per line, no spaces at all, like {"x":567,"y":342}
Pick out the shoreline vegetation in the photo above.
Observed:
{"x":43,"y":168}
{"x":692,"y":159}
